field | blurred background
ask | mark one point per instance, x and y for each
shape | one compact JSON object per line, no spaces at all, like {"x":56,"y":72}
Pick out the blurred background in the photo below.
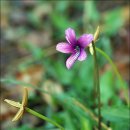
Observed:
{"x":30,"y":30}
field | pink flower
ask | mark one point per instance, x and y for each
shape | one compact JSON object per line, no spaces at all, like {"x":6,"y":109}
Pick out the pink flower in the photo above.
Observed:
{"x":74,"y":46}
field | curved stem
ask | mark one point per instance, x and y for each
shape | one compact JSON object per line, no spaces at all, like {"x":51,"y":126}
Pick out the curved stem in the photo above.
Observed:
{"x":116,"y":72}
{"x":97,"y":85}
{"x":112,"y":64}
{"x":43,"y":117}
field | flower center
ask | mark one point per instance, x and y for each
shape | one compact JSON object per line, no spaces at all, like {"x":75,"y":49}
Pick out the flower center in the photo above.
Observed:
{"x":77,"y":48}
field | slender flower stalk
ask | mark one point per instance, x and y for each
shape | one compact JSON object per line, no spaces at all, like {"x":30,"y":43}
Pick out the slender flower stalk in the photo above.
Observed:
{"x":96,"y":73}
{"x":43,"y":117}
{"x":97,"y":85}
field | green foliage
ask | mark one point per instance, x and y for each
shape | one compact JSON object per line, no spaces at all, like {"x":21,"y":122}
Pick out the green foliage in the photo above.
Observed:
{"x":85,"y":124}
{"x":24,"y":127}
{"x":57,"y":19}
{"x":118,"y":116}
{"x":91,"y":12}
{"x":113,"y":21}
{"x":61,"y":72}
{"x":107,"y":84}
{"x":61,"y":6}
{"x":34,"y":20}
{"x":78,"y":82}
{"x":36,"y":52}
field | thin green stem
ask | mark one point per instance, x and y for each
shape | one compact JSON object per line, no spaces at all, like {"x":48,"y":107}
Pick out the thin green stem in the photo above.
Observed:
{"x":112,"y":64}
{"x":97,"y":85}
{"x":43,"y":117}
{"x":116,"y":71}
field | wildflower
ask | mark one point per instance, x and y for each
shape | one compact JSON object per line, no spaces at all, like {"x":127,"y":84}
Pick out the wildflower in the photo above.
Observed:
{"x":74,"y":46}
{"x":22,"y":106}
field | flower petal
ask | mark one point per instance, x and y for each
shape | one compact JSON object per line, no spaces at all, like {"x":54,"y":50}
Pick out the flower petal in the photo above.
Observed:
{"x":71,"y":60}
{"x":85,"y":39}
{"x":82,"y":55}
{"x":70,"y":36}
{"x":64,"y":48}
